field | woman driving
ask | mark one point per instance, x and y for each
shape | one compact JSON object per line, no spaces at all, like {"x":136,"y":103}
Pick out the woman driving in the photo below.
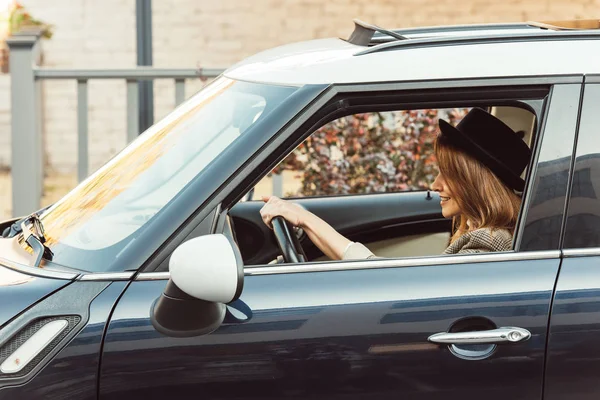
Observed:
{"x":480,"y":163}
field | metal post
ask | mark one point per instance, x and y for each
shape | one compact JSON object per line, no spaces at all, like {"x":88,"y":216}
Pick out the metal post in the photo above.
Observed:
{"x":179,"y":91}
{"x":143,"y":18}
{"x":82,"y":129}
{"x":277,"y":185}
{"x":132,"y":107}
{"x":27,"y":152}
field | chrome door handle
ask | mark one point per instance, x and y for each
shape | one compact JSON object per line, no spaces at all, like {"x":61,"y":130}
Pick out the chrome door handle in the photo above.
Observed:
{"x":500,"y":335}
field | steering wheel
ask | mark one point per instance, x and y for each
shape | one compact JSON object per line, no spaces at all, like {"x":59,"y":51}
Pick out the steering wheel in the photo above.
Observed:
{"x":287,"y":241}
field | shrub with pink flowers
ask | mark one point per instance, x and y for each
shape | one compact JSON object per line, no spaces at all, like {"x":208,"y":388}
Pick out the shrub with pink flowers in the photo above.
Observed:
{"x":15,"y":18}
{"x":369,"y":153}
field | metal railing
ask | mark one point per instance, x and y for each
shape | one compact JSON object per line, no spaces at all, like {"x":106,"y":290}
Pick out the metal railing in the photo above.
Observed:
{"x":132,"y":77}
{"x":26,"y":122}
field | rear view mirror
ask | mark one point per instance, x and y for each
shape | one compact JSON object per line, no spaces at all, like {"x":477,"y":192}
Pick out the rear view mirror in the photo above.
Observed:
{"x":206,"y":273}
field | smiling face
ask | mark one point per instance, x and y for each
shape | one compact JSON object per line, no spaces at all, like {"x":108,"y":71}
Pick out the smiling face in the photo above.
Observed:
{"x":470,"y":193}
{"x":449,"y":204}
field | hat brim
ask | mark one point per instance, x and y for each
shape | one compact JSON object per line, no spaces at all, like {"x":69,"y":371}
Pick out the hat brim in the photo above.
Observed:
{"x":465,"y":143}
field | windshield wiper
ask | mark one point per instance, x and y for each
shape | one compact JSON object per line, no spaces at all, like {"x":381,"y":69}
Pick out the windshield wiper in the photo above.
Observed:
{"x":33,"y":235}
{"x":15,"y":228}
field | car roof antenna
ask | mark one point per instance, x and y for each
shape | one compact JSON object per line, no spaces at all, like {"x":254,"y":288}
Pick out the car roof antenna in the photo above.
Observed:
{"x":363,"y":33}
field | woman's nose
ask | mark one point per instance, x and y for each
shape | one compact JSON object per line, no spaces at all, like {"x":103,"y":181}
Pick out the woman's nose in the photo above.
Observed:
{"x":435,"y":186}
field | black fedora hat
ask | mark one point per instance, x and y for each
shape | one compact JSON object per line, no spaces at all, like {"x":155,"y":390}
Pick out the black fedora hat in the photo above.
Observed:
{"x":493,"y":143}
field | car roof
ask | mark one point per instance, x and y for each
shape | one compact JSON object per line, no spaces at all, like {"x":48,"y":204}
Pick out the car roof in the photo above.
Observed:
{"x":372,"y":55}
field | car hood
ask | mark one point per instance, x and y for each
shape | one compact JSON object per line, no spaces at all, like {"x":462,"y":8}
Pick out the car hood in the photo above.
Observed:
{"x":19,"y":291}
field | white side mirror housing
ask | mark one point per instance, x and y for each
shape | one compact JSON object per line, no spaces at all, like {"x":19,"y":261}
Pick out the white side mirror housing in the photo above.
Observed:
{"x":208,"y":268}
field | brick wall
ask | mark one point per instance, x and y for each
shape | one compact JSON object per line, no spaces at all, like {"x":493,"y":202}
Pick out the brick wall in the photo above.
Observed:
{"x":188,"y":33}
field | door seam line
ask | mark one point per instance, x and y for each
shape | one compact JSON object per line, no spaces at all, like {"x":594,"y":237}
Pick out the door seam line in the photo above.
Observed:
{"x":104,"y":333}
{"x":546,"y":345}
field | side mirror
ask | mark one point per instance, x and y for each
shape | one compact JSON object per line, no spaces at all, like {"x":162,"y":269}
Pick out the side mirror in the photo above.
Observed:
{"x":206,"y":273}
{"x":208,"y":268}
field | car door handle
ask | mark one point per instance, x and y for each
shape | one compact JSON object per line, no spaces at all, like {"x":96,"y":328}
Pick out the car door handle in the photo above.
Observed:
{"x":499,"y":335}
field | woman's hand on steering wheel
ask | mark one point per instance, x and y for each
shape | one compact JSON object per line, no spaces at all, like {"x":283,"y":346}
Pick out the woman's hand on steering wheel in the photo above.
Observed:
{"x":274,"y":207}
{"x":281,"y":216}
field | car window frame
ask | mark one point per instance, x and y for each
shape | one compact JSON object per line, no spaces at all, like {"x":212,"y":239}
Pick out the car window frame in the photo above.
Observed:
{"x":341,"y":108}
{"x":325,"y":106}
{"x":513,"y":100}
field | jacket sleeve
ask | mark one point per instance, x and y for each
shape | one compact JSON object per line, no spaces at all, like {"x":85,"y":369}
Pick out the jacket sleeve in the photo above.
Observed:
{"x":357,"y":251}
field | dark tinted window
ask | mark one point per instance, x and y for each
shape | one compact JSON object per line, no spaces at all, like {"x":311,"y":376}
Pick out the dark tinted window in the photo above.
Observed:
{"x":546,"y":209}
{"x":582,"y":184}
{"x":583,"y":223}
{"x":551,"y":187}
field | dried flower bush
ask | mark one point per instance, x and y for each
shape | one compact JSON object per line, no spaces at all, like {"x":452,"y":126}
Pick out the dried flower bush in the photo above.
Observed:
{"x":369,"y":153}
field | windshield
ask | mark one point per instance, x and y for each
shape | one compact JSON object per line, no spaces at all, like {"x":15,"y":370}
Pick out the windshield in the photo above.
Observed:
{"x":104,"y":213}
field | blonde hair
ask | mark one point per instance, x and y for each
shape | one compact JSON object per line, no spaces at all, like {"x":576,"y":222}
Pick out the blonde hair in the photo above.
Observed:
{"x":484,"y":200}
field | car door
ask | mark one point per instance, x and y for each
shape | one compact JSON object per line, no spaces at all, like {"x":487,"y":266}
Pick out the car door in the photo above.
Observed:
{"x":358,"y":329}
{"x":573,"y":347}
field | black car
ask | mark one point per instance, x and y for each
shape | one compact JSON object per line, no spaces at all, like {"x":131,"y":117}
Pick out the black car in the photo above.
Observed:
{"x":156,"y":278}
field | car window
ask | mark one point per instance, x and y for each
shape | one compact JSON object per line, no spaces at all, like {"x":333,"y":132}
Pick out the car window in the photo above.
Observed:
{"x":376,"y":152}
{"x":366,"y":174}
{"x":104,"y":214}
{"x":583,"y":220}
{"x":542,"y":226}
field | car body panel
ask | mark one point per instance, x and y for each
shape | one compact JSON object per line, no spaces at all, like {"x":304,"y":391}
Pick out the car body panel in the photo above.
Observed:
{"x":73,"y":372}
{"x":573,"y":345}
{"x":19,"y":291}
{"x":68,"y":364}
{"x":332,"y":61}
{"x":341,"y":333}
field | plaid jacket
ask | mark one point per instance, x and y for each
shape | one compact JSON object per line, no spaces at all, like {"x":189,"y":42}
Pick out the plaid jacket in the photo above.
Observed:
{"x":478,"y":241}
{"x":481,"y":241}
